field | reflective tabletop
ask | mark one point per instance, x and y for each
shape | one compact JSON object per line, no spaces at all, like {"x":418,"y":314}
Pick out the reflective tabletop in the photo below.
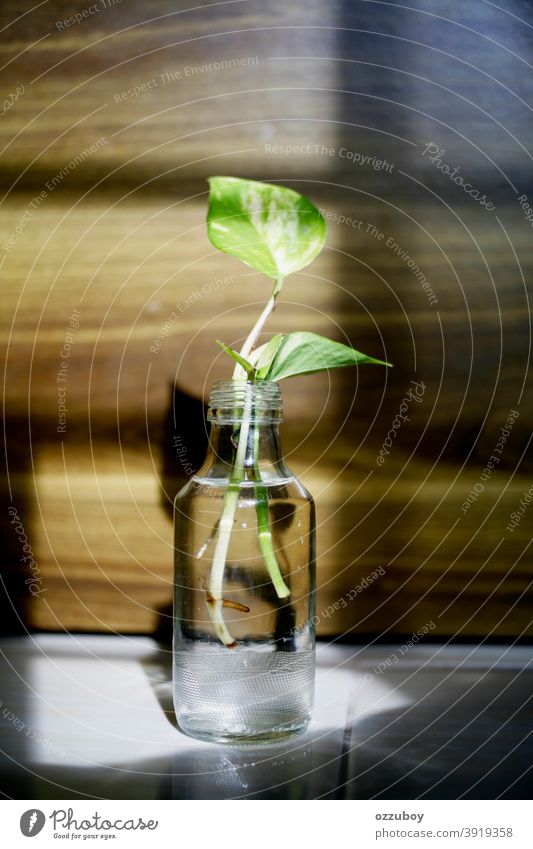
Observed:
{"x":91,"y":717}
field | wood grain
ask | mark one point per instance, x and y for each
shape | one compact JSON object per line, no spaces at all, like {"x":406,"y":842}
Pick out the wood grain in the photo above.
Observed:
{"x":111,"y":265}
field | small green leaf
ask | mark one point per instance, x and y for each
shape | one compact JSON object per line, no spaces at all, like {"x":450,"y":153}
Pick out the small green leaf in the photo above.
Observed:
{"x":262,"y":357}
{"x":306,"y":353}
{"x":271,"y":228}
{"x":248,"y":367}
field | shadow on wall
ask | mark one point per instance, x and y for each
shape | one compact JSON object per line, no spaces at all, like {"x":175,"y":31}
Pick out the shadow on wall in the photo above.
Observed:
{"x":184,"y":446}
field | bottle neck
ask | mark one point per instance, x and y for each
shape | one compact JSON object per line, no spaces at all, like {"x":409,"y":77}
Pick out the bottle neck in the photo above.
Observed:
{"x":262,"y":459}
{"x":244,"y":441}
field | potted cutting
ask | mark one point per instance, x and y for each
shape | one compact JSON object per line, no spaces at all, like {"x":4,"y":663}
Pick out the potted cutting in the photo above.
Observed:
{"x":244,"y":601}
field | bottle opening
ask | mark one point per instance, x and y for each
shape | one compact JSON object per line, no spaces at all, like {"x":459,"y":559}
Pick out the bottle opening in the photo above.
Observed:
{"x":231,"y":400}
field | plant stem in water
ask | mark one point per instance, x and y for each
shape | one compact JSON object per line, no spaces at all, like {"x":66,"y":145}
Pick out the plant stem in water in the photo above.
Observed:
{"x":263,"y":526}
{"x":216,"y":578}
{"x":231,"y":499}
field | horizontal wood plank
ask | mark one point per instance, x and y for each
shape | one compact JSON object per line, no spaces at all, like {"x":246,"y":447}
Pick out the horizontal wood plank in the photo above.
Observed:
{"x":112,"y":298}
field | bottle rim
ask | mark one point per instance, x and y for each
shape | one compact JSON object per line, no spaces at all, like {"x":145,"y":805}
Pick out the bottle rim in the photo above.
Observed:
{"x":229,"y":400}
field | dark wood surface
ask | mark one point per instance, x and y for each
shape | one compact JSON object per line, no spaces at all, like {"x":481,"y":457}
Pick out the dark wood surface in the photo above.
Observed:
{"x":120,"y":238}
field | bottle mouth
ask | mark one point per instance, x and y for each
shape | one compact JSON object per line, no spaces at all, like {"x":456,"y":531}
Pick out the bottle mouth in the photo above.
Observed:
{"x":232,"y":400}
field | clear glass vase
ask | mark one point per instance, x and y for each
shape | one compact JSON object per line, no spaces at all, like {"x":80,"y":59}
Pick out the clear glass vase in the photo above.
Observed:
{"x":244,"y":604}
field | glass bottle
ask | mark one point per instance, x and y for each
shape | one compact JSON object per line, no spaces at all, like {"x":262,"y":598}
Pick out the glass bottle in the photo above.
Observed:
{"x":244,"y":603}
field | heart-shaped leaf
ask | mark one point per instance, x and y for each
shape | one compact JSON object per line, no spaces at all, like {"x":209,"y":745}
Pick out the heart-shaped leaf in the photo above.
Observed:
{"x":271,"y":228}
{"x":306,"y":353}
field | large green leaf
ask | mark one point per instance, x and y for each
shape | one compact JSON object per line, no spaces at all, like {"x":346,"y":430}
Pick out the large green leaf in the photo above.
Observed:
{"x":305,"y":353}
{"x":271,"y":228}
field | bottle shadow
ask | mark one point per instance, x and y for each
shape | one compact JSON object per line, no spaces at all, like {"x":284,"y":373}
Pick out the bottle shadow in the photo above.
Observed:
{"x":158,"y":671}
{"x":184,"y":443}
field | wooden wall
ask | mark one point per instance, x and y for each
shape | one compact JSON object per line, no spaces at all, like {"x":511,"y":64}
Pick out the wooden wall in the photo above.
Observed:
{"x":109,"y":130}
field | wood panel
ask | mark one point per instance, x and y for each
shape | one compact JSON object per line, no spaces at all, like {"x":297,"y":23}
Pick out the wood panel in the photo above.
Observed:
{"x":111,"y":265}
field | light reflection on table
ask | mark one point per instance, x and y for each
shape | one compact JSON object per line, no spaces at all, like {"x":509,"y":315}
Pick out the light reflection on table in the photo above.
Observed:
{"x":91,"y":716}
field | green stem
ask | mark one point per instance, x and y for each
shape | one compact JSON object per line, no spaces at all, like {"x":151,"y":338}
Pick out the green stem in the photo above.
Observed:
{"x":263,"y":526}
{"x":231,"y":499}
{"x":253,"y":336}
